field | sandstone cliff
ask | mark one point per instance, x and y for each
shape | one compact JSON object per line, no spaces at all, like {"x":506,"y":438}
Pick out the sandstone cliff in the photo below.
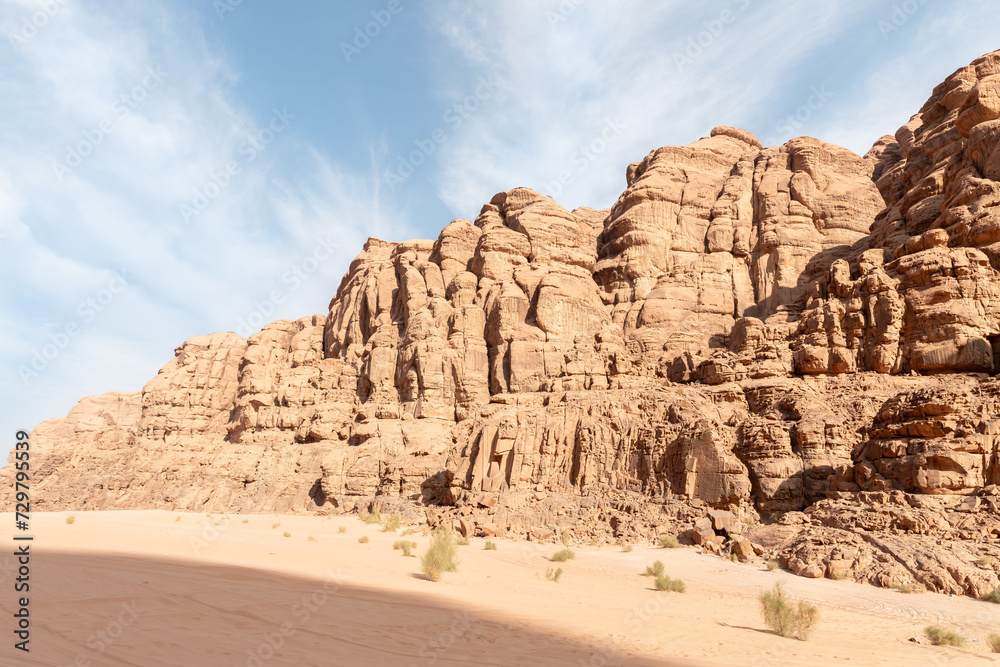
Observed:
{"x":796,"y":334}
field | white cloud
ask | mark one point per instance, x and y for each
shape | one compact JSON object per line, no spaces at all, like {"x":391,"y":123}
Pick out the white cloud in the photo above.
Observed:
{"x":140,"y":91}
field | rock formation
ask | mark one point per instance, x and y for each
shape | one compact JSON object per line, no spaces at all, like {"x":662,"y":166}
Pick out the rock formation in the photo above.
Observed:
{"x":780,"y":351}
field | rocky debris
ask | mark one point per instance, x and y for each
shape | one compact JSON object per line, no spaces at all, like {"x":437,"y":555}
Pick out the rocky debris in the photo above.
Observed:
{"x":773,"y":351}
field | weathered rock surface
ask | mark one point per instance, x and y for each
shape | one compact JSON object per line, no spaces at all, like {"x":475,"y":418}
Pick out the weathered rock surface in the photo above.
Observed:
{"x":770,"y":351}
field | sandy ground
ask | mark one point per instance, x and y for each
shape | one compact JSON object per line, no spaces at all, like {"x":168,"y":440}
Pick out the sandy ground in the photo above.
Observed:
{"x":166,"y":589}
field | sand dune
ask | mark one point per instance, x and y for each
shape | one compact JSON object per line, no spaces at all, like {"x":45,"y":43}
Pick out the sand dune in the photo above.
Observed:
{"x":143,"y":588}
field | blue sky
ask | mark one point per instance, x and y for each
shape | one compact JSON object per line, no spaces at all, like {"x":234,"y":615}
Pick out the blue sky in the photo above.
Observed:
{"x":176,"y":168}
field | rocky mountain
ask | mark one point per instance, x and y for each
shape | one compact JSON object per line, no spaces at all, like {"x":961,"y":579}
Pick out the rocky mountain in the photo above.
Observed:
{"x":772,"y":351}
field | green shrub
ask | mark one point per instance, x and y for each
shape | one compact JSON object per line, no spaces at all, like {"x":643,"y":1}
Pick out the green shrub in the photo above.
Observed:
{"x":909,"y":588}
{"x":462,"y":541}
{"x":71,"y":518}
{"x":993,"y":641}
{"x":654,"y":570}
{"x":371,"y":517}
{"x":491,"y":546}
{"x":440,"y":556}
{"x":406,"y":546}
{"x":564,"y":538}
{"x":772,"y":565}
{"x":363,"y":539}
{"x":942,"y":637}
{"x":984,"y":561}
{"x":563,"y":555}
{"x":669,"y":541}
{"x":787,"y":617}
{"x":993,"y":596}
{"x":553,"y":575}
{"x":392,"y":523}
{"x":665,"y":583}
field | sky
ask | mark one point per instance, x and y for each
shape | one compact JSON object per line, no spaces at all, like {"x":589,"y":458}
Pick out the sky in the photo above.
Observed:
{"x":174,"y":168}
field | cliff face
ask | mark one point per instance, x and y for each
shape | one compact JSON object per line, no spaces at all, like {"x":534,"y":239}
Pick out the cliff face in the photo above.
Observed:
{"x":763,"y":329}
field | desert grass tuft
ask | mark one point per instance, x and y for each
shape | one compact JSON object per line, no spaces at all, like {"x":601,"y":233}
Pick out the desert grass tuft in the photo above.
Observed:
{"x":70,"y":519}
{"x":993,"y":641}
{"x":490,"y":546}
{"x":942,"y":637}
{"x":440,"y":556}
{"x":984,"y":561}
{"x":275,"y":525}
{"x":246,"y":520}
{"x":553,"y":575}
{"x":341,"y":529}
{"x":177,"y":518}
{"x":392,"y":523}
{"x":363,"y":539}
{"x":564,"y":538}
{"x":371,"y":517}
{"x":669,"y":541}
{"x":654,"y":570}
{"x":772,"y":565}
{"x":462,"y":541}
{"x":627,"y":548}
{"x":563,"y":555}
{"x":993,"y":596}
{"x":785,"y":616}
{"x":665,"y":583}
{"x":909,"y":588}
{"x":406,"y":545}
{"x":312,"y":538}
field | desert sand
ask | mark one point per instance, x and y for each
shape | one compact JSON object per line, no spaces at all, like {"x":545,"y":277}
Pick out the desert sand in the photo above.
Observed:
{"x":166,"y":588}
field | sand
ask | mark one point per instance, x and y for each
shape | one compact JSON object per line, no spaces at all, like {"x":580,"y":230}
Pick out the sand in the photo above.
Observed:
{"x":162,"y":588}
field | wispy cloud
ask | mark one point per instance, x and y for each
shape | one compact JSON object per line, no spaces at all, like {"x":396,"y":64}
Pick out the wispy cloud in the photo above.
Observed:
{"x":99,"y":162}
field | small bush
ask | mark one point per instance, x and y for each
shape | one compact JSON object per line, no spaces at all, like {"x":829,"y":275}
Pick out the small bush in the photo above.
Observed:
{"x":563,"y":555}
{"x":993,"y":641}
{"x":287,"y":534}
{"x":392,"y":523}
{"x":942,"y":637}
{"x":70,"y":519}
{"x":787,"y":617}
{"x":491,"y":546}
{"x":177,"y":518}
{"x":462,"y":541}
{"x":627,"y":548}
{"x":553,"y":575}
{"x":669,"y":541}
{"x":654,"y":570}
{"x":408,"y":531}
{"x":342,"y":529}
{"x":993,"y":596}
{"x":440,"y":556}
{"x":275,"y":525}
{"x":312,"y":539}
{"x":665,"y":583}
{"x":909,"y":588}
{"x":371,"y":517}
{"x":363,"y":539}
{"x":406,"y":546}
{"x":984,"y":561}
{"x":246,"y":520}
{"x":564,"y":538}
{"x":772,"y":565}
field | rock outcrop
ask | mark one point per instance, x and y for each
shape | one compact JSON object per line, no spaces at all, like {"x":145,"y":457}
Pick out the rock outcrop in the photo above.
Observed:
{"x":776,"y":351}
